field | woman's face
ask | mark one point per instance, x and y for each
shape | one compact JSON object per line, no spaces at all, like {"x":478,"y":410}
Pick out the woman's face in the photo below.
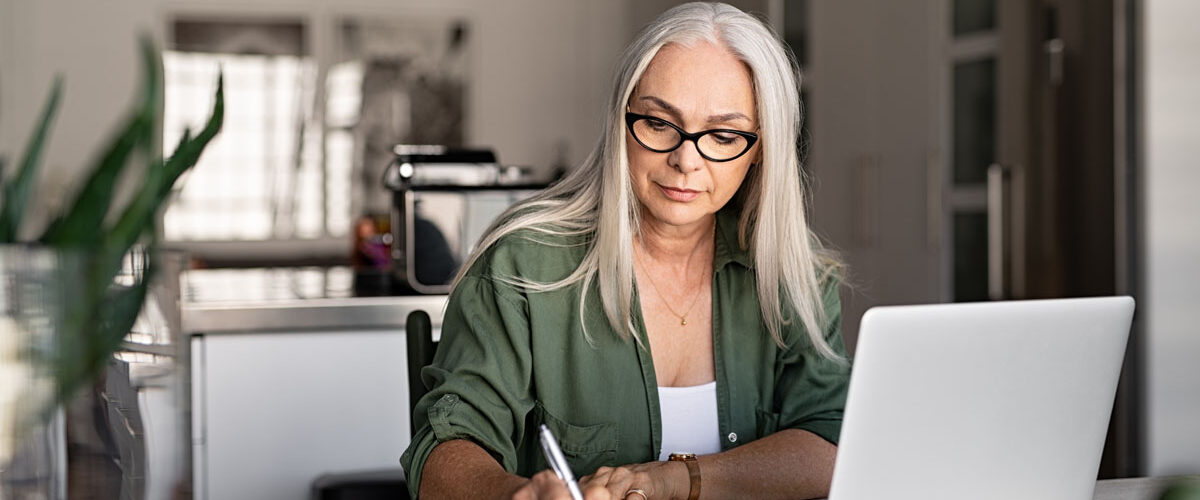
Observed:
{"x":697,"y":88}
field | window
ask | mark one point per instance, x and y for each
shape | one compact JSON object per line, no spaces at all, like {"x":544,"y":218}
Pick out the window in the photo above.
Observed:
{"x":261,"y":177}
{"x":304,"y":140}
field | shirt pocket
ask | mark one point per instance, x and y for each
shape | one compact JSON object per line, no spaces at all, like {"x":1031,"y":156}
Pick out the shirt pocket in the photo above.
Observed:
{"x":587,"y":447}
{"x":766,"y":422}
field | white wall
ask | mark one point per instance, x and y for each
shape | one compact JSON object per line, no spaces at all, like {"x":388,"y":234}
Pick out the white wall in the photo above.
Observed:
{"x":7,"y":40}
{"x":1171,"y":107}
{"x":539,"y":73}
{"x":93,"y":44}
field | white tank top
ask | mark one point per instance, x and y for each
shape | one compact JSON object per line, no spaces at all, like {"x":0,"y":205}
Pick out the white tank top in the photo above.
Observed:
{"x":689,"y":420}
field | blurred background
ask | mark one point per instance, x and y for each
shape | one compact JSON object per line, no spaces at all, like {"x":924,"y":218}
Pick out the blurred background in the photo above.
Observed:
{"x":957,"y":150}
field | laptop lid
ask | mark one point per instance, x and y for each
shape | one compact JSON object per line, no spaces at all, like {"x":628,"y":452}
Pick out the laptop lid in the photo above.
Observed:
{"x":996,"y":400}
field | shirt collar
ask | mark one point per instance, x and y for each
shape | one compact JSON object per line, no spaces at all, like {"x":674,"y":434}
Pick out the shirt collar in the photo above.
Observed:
{"x":726,"y":247}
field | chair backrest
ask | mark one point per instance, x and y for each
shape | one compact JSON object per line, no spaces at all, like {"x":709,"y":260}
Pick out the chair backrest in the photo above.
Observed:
{"x":418,"y":332}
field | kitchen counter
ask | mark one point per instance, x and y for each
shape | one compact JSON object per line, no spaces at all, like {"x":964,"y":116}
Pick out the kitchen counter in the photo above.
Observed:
{"x":294,"y":377}
{"x":217,"y":301}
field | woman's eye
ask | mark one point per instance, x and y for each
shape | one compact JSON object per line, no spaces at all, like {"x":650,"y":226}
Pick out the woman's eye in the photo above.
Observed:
{"x":725,"y":138}
{"x":657,"y":124}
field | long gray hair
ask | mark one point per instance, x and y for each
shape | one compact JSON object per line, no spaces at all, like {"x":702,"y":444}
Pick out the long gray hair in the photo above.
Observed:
{"x":597,"y":200}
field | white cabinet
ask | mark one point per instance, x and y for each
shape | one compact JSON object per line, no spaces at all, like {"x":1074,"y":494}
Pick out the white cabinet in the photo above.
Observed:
{"x":272,"y":410}
{"x":286,"y":388}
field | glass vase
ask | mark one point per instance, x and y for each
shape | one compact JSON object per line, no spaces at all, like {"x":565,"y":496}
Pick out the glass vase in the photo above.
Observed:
{"x":36,"y":284}
{"x":119,"y":430}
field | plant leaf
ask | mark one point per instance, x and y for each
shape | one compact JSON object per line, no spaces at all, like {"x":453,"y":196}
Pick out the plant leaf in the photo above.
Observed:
{"x":159,"y":179}
{"x":83,"y":223}
{"x":183,"y":140}
{"x":188,"y":152}
{"x":110,"y":320}
{"x":16,"y":192}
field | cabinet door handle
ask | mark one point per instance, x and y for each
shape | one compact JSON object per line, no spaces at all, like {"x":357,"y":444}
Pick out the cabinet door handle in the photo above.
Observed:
{"x":934,"y":200}
{"x":999,"y":197}
{"x":1055,"y":49}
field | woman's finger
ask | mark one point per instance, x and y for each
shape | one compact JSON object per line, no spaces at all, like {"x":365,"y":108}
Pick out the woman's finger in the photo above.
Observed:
{"x":544,"y":485}
{"x":616,"y":482}
{"x":596,"y":491}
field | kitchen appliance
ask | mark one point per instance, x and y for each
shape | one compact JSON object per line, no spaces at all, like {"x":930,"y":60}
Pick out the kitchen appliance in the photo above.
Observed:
{"x":442,"y":202}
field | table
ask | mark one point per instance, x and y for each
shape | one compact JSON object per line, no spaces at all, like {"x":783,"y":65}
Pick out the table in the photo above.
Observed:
{"x":1138,"y":488}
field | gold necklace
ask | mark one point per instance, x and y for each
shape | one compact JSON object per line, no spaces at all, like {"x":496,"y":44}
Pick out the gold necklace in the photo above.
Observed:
{"x":682,"y":317}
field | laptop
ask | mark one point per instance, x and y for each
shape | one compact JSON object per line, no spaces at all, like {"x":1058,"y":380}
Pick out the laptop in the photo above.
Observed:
{"x":999,"y":400}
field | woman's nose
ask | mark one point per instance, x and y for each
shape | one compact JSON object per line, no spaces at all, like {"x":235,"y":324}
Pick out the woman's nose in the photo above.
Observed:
{"x":686,"y":158}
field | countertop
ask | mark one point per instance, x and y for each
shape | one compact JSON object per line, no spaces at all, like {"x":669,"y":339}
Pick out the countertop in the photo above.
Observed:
{"x":221,"y":301}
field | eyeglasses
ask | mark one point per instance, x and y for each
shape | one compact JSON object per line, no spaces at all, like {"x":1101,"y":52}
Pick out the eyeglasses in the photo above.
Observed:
{"x":662,"y":136}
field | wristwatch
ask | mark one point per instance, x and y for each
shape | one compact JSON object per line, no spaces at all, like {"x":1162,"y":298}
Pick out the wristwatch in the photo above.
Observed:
{"x":693,"y":467}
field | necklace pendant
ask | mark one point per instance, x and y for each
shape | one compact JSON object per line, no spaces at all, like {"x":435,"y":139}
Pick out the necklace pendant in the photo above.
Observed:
{"x":682,"y":321}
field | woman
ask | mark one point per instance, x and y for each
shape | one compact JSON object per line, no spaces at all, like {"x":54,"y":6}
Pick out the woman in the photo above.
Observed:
{"x":667,"y":296}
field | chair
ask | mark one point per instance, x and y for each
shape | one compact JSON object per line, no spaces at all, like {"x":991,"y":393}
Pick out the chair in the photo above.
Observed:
{"x":378,"y":484}
{"x":386,"y":483}
{"x":419,"y":336}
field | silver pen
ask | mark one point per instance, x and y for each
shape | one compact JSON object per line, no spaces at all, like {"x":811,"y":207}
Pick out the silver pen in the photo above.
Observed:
{"x":558,"y":462}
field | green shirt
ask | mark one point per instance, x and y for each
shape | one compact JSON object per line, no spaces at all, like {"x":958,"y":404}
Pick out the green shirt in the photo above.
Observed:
{"x":511,"y":359}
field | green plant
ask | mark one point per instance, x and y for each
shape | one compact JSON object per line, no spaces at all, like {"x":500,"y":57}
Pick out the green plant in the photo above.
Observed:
{"x":101,"y":311}
{"x":1183,"y":489}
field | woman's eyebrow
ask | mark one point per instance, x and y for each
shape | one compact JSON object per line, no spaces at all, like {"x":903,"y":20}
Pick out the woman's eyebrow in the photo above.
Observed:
{"x":722,"y":118}
{"x":728,"y":117}
{"x":666,"y":106}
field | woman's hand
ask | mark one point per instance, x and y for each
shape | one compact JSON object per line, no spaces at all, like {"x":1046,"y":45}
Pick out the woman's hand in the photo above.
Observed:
{"x":545,"y":485}
{"x":656,"y":481}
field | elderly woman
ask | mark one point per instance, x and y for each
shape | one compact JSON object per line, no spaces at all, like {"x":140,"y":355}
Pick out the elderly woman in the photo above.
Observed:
{"x":668,"y":296}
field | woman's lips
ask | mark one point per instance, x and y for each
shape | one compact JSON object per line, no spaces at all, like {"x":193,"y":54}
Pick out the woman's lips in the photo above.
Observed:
{"x":678,"y":194}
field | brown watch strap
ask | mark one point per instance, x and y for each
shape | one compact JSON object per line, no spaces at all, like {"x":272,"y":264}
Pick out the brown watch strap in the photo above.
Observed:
{"x":693,"y":467}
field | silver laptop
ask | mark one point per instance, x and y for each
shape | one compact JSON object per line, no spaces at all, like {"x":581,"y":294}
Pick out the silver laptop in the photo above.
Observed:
{"x":1000,"y":400}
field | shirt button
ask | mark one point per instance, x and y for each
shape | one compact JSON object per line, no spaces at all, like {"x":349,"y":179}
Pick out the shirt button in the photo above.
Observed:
{"x":732,"y":437}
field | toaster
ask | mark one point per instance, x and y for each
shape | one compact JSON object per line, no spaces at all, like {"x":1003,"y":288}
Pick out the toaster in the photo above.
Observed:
{"x":442,"y":202}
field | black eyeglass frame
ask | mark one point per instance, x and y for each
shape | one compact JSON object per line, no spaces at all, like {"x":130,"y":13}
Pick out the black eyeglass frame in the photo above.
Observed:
{"x":631,"y":118}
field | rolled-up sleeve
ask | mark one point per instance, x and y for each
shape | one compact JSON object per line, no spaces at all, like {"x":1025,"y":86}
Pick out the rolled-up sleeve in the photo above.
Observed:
{"x":480,"y":377}
{"x":810,"y":392}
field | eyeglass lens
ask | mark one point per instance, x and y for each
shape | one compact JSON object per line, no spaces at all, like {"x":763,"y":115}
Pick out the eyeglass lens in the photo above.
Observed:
{"x":659,"y":136}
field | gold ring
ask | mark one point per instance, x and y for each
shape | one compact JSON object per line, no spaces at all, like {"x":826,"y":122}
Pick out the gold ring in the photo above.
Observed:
{"x":637,"y":491}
